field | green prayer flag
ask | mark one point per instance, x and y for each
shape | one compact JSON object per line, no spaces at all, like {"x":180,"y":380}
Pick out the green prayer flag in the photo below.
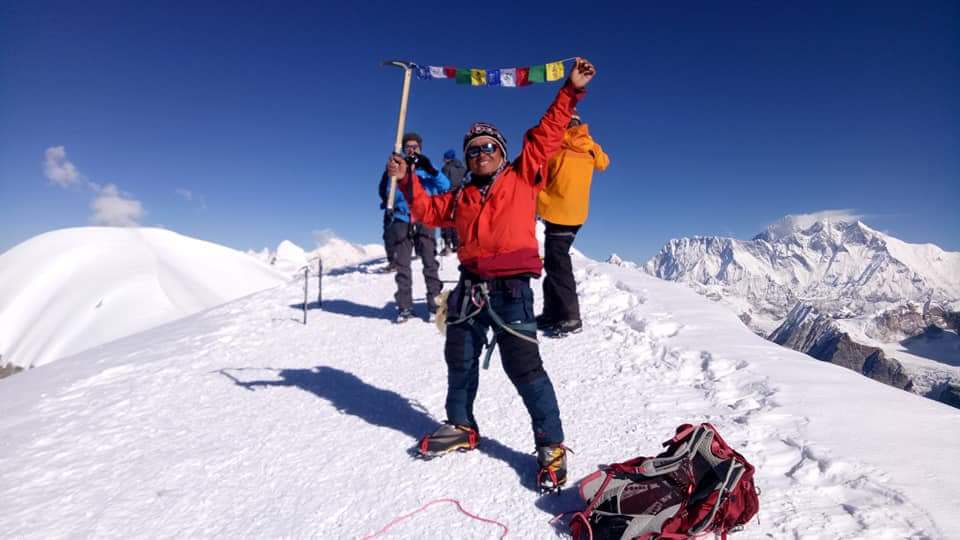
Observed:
{"x":463,"y":76}
{"x":538,"y":73}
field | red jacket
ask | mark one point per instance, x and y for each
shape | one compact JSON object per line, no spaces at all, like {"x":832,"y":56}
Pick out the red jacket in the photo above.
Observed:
{"x":498,"y":236}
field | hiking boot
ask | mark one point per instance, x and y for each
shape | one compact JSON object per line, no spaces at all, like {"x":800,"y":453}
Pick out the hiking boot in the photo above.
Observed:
{"x":544,"y":322}
{"x":403,"y":316}
{"x":553,"y":467}
{"x":448,"y":438}
{"x":562,"y":328}
{"x":445,"y":252}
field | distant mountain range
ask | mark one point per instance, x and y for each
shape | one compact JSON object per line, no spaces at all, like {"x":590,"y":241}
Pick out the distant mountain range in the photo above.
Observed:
{"x":839,"y":291}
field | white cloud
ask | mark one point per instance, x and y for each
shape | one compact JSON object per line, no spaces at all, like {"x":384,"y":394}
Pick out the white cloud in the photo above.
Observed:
{"x":58,"y":169}
{"x":110,"y":206}
{"x":185,"y":193}
{"x":798,"y":222}
{"x":322,"y":236}
{"x":115,"y":209}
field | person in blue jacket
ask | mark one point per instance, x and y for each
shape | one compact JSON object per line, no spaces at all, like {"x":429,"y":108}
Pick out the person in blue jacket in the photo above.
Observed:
{"x":400,"y":234}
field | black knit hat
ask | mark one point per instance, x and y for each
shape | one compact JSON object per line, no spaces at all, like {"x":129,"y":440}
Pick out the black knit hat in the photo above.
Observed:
{"x":411,"y":136}
{"x":483,"y":129}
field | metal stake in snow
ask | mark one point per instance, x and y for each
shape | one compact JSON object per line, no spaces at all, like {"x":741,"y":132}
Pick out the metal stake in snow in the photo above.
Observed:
{"x":407,"y":72}
{"x":306,"y":287}
{"x":319,"y":282}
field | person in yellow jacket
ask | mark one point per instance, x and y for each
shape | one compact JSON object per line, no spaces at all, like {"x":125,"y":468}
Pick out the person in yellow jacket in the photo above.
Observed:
{"x":563,"y":206}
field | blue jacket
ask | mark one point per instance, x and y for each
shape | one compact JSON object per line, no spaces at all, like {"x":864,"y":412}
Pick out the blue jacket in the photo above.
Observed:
{"x":434,"y":185}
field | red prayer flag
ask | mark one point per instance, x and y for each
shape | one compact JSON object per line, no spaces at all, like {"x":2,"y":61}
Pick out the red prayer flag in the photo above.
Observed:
{"x":523,"y":76}
{"x":450,"y":72}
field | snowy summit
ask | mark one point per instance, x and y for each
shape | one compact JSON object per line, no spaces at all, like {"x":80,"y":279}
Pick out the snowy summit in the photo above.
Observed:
{"x":242,"y":422}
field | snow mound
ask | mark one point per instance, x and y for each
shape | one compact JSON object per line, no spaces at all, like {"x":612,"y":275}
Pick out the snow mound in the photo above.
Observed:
{"x":68,"y":290}
{"x":289,"y":258}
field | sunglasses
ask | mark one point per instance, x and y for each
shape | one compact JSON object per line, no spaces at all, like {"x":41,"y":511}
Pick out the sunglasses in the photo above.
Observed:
{"x":411,"y":147}
{"x":476,"y":150}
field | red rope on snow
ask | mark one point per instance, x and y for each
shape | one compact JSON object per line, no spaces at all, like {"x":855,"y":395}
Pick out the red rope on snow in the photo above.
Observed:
{"x":428,"y":505}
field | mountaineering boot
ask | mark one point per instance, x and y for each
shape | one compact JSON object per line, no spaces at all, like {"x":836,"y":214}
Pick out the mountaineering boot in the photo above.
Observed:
{"x":403,"y":316}
{"x":564,"y":328}
{"x":544,"y":322}
{"x":553,"y":467}
{"x":448,"y":438}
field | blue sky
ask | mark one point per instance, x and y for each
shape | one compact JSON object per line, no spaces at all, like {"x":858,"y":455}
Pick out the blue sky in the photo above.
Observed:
{"x":250,"y":123}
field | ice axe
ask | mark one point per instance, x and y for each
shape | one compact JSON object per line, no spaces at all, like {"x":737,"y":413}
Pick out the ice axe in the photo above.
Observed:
{"x":407,"y":72}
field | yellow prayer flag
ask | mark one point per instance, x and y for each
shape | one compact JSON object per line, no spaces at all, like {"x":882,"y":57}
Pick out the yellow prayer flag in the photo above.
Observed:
{"x":478,"y":77}
{"x":555,"y":71}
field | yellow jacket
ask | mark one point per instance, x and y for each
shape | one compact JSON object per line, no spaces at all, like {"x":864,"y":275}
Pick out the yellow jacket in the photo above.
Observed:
{"x":566,"y":197}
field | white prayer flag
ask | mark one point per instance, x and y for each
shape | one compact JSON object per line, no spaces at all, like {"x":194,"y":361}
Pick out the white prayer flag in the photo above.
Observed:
{"x":508,"y":77}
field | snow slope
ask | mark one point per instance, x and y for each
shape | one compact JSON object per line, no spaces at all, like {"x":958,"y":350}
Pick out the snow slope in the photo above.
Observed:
{"x":240,"y":422}
{"x":68,"y":290}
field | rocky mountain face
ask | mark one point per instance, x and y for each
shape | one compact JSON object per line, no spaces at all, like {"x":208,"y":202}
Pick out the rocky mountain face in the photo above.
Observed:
{"x":8,"y":369}
{"x":807,"y":330}
{"x":833,"y":288}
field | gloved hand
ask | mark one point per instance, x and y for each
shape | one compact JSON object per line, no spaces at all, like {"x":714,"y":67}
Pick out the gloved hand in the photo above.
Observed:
{"x":396,"y":166}
{"x":420,"y":161}
{"x":388,"y":214}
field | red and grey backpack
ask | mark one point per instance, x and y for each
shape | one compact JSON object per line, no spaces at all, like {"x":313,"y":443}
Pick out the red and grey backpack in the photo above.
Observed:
{"x":698,"y":485}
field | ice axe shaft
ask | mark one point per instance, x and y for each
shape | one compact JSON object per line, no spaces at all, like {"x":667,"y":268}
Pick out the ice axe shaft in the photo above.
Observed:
{"x":401,"y":122}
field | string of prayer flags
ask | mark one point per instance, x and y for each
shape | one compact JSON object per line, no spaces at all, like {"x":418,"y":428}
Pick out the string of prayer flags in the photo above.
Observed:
{"x":508,"y":77}
{"x":555,"y":71}
{"x":478,"y":77}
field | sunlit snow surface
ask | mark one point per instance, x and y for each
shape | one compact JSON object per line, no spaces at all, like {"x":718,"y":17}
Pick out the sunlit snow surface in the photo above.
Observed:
{"x":68,"y":290}
{"x":241,"y":422}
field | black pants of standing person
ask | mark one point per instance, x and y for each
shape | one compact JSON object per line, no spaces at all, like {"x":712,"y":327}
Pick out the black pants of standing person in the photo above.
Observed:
{"x":450,"y":240}
{"x":560,"y":301}
{"x":402,"y":236}
{"x":388,"y":244}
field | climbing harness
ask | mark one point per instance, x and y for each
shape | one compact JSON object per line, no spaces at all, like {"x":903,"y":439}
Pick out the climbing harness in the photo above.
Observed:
{"x":476,"y":299}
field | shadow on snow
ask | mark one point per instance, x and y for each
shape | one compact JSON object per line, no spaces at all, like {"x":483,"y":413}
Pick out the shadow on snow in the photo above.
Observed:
{"x":380,"y":407}
{"x":345,"y":307}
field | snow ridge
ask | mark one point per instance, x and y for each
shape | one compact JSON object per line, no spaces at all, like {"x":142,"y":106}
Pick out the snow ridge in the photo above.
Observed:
{"x":242,"y":422}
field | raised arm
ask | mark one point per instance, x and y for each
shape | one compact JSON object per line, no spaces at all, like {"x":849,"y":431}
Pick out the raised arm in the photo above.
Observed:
{"x":431,"y":210}
{"x":543,"y":140}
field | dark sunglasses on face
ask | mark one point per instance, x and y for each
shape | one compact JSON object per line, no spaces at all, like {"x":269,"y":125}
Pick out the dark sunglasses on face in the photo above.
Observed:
{"x":485,"y":148}
{"x":412,"y":147}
